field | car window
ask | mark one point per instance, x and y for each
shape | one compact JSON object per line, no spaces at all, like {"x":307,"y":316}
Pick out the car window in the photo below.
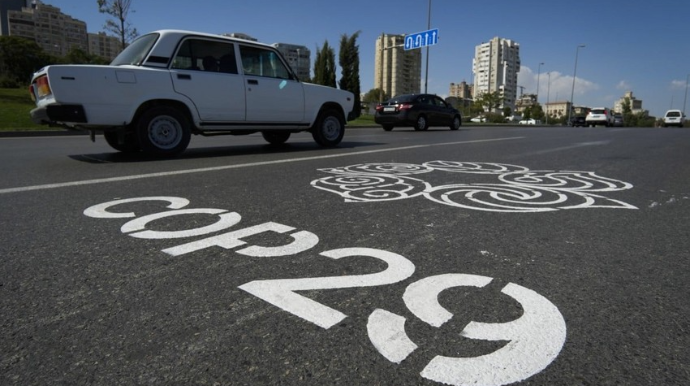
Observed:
{"x":135,"y":52}
{"x":439,"y":102}
{"x":206,"y":55}
{"x":264,"y":62}
{"x":673,"y":114}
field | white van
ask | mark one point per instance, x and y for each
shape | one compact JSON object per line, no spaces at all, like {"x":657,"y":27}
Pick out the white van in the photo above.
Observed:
{"x":674,"y":118}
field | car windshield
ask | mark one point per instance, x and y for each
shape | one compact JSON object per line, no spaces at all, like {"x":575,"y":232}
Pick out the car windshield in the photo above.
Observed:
{"x":135,"y":53}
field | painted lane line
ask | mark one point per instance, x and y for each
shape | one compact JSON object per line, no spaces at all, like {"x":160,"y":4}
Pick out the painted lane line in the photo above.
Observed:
{"x":387,"y":333}
{"x":238,"y":166}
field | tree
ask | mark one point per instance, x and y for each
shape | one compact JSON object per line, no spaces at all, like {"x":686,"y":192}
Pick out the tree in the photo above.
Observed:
{"x":324,"y":66}
{"x":375,"y":95}
{"x":349,"y":65}
{"x":19,"y":59}
{"x":489,"y":101}
{"x":119,"y":9}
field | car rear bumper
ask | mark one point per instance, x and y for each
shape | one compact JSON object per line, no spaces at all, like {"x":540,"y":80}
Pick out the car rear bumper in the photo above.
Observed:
{"x":57,"y":112}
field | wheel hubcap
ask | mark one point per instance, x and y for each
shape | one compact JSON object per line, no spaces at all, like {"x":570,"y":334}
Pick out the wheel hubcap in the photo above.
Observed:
{"x":331,"y":128}
{"x":165,"y":132}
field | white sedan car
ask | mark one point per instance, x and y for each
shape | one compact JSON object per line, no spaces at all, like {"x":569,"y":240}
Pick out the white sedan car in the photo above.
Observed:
{"x":530,"y":121}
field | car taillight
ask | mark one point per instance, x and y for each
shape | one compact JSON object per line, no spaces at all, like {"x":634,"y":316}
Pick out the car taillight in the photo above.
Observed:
{"x":379,"y":107}
{"x":31,"y":91}
{"x":405,"y":106}
{"x":42,"y":86}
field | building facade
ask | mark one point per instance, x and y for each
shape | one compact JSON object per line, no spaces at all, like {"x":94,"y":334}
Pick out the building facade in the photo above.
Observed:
{"x":635,"y":104}
{"x":105,"y":46}
{"x":298,"y":57}
{"x":5,"y":7}
{"x":55,"y":32}
{"x":460,"y":90}
{"x":397,"y":71}
{"x":495,"y":67}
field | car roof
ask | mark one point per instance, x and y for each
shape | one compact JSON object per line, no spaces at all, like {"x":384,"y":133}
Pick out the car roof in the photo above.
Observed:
{"x":182,"y":33}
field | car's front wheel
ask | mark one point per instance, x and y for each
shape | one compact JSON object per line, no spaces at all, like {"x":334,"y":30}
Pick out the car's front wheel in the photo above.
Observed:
{"x":163,"y":131}
{"x":387,"y":127}
{"x":456,"y":123}
{"x":276,"y":137}
{"x":421,"y":124}
{"x":329,"y":128}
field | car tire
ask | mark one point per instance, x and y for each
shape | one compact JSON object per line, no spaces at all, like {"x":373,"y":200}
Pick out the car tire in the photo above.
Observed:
{"x":163,"y":131}
{"x":129,"y":145}
{"x":387,"y":127}
{"x":456,"y":123}
{"x":329,"y":128}
{"x":276,"y":137}
{"x":421,"y":124}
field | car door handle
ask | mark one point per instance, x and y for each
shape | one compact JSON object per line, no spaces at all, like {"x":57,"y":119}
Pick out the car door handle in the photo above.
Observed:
{"x":184,"y":76}
{"x":252,"y":81}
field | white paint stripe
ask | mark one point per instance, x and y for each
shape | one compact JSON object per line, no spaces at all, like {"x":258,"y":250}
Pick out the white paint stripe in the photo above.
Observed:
{"x":218,"y":168}
{"x":387,"y":332}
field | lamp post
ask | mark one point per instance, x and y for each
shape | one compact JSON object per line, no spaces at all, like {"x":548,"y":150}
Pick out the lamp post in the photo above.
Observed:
{"x":685,"y":99}
{"x":538,"y":76}
{"x":426,"y":69}
{"x":572,"y":91}
{"x":548,"y":92}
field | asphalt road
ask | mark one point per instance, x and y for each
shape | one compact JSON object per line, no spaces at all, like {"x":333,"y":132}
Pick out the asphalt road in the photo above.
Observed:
{"x":527,"y":255}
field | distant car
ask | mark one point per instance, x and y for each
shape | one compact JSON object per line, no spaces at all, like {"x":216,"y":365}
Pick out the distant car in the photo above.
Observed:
{"x":578,"y":121}
{"x":417,"y":110}
{"x":513,"y":118}
{"x":617,"y":120}
{"x":478,"y":119}
{"x":530,"y":121}
{"x":599,"y":116}
{"x":674,"y":118}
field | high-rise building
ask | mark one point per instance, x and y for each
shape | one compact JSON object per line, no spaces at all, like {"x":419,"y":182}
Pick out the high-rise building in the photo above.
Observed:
{"x":5,"y":7}
{"x":55,"y":32}
{"x":460,"y":90}
{"x":298,"y":57}
{"x":397,"y":71}
{"x":495,"y":66}
{"x":105,"y":46}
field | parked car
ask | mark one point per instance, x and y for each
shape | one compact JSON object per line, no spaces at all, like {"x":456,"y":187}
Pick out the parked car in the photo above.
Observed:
{"x":617,"y":120}
{"x":169,"y":84}
{"x":599,"y":116}
{"x":478,"y":119}
{"x":530,"y":121}
{"x":578,"y":121}
{"x":417,"y":110}
{"x":674,"y":118}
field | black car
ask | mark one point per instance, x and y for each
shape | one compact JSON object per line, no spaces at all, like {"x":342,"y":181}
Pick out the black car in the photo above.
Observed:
{"x":417,"y":110}
{"x":577,"y":121}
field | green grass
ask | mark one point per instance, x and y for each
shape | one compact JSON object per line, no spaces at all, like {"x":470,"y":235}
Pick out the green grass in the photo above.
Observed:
{"x":15,"y":104}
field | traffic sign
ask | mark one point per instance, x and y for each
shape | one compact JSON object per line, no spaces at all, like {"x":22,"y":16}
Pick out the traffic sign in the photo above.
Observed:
{"x":421,"y":39}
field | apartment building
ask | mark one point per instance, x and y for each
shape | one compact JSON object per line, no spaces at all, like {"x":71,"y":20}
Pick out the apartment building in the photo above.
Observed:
{"x":55,"y":32}
{"x":105,"y":46}
{"x":397,"y":71}
{"x":299,"y":58}
{"x":460,"y":90}
{"x":495,"y":67}
{"x":635,"y":104}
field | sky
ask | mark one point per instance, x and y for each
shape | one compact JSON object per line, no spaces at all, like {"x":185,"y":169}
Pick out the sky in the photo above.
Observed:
{"x":641,"y":46}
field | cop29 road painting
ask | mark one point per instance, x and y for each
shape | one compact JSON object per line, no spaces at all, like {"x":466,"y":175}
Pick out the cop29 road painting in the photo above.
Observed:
{"x":533,"y":340}
{"x":514,"y":188}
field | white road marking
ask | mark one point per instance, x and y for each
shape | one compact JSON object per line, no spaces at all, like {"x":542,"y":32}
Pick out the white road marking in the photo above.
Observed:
{"x":238,"y":166}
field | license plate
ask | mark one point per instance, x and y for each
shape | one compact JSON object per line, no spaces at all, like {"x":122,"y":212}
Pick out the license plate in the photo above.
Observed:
{"x":389,"y":109}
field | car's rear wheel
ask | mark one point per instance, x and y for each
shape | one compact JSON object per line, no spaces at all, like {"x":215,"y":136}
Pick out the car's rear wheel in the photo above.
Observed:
{"x":127,"y":144}
{"x":456,"y":123}
{"x":329,"y":128}
{"x":276,"y":137}
{"x":421,"y":124}
{"x":163,"y":131}
{"x":387,"y":127}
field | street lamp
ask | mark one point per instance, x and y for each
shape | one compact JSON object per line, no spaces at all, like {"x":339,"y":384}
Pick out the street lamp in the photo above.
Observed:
{"x":426,"y":68}
{"x":548,"y":94}
{"x":538,"y":75}
{"x":685,"y":99}
{"x":572,"y":91}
